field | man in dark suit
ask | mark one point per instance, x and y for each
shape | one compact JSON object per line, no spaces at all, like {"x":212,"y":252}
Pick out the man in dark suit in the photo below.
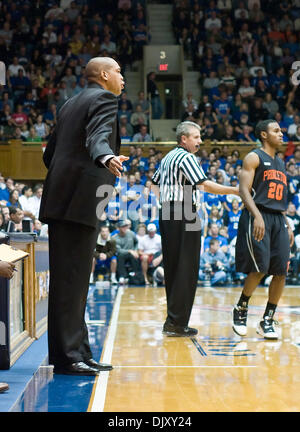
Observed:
{"x":81,"y":155}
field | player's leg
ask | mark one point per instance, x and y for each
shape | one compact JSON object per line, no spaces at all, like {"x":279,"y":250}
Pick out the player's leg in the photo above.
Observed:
{"x":240,"y":311}
{"x":252,"y":258}
{"x":278,"y":268}
{"x":266,"y":326}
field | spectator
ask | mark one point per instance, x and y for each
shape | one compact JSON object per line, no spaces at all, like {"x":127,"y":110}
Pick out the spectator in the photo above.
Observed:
{"x":246,"y":135}
{"x":124,"y":100}
{"x":72,"y":12}
{"x":142,"y":135}
{"x":270,"y":104}
{"x":14,"y":224}
{"x":24,"y":201}
{"x":293,"y":218}
{"x":213,"y":22}
{"x":50,"y":35}
{"x":214,"y":234}
{"x":296,"y":136}
{"x":143,"y":103}
{"x":130,"y":198}
{"x":114,"y":211}
{"x":33,"y":136}
{"x":215,"y":216}
{"x":19,"y":118}
{"x":123,"y":122}
{"x":127,"y":252}
{"x":138,"y":118}
{"x":233,"y":218}
{"x":105,"y":256}
{"x":35,"y":200}
{"x":213,"y":264}
{"x":108,"y":45}
{"x":69,"y":78}
{"x":149,"y":246}
{"x":14,"y":67}
{"x":190,"y":113}
{"x":189,"y":100}
{"x":41,"y":128}
{"x":141,"y":233}
{"x":292,"y":129}
{"x":245,"y":90}
{"x":157,"y":108}
{"x":14,"y":199}
{"x":147,"y":207}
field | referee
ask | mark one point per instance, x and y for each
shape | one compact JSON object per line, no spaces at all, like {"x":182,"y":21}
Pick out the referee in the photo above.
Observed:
{"x":178,"y":178}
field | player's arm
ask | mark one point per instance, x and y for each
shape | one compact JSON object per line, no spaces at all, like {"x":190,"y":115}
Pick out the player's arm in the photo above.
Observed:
{"x":250,"y":163}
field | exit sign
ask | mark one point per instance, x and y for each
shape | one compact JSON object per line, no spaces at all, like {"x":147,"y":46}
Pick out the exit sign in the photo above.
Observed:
{"x":163,"y":67}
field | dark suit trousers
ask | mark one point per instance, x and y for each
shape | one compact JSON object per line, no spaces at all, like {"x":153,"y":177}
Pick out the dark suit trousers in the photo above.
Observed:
{"x":71,"y":247}
{"x":181,"y":255}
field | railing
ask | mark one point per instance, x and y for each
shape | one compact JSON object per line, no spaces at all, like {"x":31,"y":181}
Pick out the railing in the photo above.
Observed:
{"x":23,"y":160}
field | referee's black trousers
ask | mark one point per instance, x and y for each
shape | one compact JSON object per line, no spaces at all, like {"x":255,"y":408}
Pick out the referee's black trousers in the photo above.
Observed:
{"x":181,"y":255}
{"x":71,"y":247}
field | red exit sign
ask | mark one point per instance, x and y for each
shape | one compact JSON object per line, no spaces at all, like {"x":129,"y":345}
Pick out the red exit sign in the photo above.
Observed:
{"x":163,"y":67}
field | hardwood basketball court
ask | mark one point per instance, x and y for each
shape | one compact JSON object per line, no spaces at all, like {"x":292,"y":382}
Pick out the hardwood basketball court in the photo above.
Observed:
{"x":215,"y":371}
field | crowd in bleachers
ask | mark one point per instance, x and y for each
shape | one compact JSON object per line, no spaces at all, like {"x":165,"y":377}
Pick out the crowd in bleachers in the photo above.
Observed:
{"x":131,"y":218}
{"x":244,"y":78}
{"x":244,"y":52}
{"x":45,"y":46}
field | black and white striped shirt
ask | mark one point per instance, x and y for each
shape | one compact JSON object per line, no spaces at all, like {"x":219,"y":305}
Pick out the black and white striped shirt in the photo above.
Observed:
{"x":178,"y":169}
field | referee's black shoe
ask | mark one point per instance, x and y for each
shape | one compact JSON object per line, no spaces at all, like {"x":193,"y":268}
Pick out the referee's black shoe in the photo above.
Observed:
{"x":173,"y":330}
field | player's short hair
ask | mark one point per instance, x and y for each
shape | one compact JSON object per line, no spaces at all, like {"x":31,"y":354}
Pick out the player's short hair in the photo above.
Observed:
{"x":184,"y":128}
{"x":262,"y":126}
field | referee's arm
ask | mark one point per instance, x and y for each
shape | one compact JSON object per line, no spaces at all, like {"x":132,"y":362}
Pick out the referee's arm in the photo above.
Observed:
{"x":195,"y":174}
{"x":218,"y":189}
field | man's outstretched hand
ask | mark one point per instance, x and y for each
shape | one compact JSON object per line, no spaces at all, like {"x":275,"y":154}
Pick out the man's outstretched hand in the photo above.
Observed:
{"x":115,"y":164}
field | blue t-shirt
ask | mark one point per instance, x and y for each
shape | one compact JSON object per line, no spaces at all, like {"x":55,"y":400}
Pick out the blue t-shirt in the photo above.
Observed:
{"x":223,"y":241}
{"x":4,"y":194}
{"x":233,"y":222}
{"x":113,"y":207}
{"x":222,"y":106}
{"x":146,"y":204}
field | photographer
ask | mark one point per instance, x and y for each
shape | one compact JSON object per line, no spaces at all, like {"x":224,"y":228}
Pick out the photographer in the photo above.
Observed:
{"x":213,"y":264}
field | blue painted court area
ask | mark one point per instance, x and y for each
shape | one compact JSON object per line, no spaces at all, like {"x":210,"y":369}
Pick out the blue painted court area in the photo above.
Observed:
{"x":34,"y":387}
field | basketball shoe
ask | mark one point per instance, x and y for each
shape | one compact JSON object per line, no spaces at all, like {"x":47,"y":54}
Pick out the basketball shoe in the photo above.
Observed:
{"x":266,"y":328}
{"x":240,"y":320}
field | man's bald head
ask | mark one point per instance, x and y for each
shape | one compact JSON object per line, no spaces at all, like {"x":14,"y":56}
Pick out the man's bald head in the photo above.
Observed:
{"x":106,"y":72}
{"x":96,"y":65}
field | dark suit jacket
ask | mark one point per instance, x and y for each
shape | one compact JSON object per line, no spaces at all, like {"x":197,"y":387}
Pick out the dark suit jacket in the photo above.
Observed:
{"x":87,"y":129}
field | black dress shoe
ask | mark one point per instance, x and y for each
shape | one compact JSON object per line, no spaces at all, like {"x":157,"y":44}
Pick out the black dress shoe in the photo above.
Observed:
{"x":178,"y":331}
{"x":78,"y":368}
{"x":3,"y":387}
{"x":100,"y":366}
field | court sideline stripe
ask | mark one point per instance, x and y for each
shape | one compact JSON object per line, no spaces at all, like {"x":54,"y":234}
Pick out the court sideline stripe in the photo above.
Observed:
{"x":97,"y":400}
{"x":199,"y":347}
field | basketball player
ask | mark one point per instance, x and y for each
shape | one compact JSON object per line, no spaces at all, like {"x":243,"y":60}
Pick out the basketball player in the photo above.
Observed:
{"x":264,"y":236}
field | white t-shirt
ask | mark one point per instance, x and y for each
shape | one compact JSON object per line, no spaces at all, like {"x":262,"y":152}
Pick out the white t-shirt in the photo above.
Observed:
{"x":26,"y":205}
{"x":212,"y":23}
{"x":35,"y":203}
{"x":150,"y":245}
